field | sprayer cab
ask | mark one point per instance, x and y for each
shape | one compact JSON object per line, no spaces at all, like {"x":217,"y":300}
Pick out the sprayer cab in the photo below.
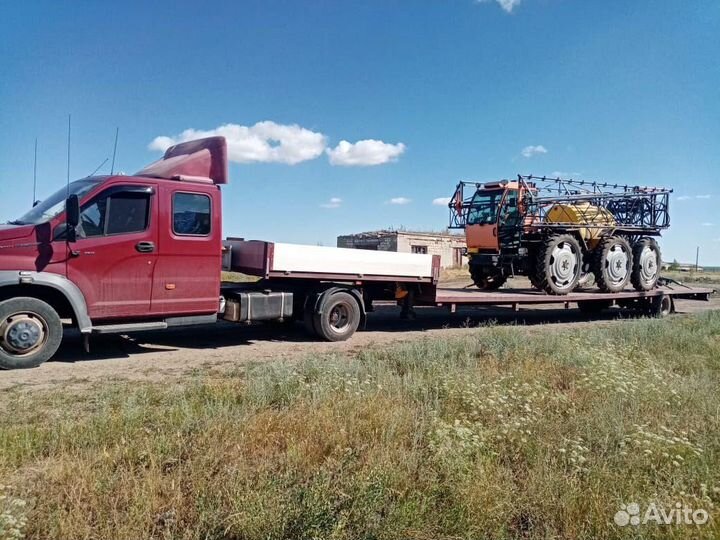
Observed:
{"x":491,"y":209}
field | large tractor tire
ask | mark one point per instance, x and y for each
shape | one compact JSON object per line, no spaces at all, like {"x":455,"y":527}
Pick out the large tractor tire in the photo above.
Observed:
{"x":30,"y":332}
{"x":647,"y":262}
{"x":559,"y":263}
{"x":613,"y":264}
{"x":487,"y":280}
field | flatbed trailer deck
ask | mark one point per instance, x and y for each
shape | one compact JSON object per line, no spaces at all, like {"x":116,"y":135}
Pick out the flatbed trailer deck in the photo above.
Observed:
{"x":456,"y":297}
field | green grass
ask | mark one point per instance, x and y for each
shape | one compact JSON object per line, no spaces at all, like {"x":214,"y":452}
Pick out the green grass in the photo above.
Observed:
{"x":508,"y":433}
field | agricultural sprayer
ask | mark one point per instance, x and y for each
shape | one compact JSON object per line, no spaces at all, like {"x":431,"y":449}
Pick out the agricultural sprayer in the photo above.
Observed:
{"x":559,"y":232}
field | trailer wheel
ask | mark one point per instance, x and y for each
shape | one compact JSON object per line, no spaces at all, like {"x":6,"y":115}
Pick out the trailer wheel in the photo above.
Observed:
{"x":487,"y":281}
{"x":593,"y":307}
{"x":559,"y":264}
{"x":660,"y":306}
{"x":646,"y":264}
{"x":613,"y":264}
{"x":30,"y":332}
{"x":339,"y":317}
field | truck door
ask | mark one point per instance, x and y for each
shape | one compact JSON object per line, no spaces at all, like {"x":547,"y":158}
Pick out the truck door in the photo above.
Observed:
{"x":187,"y":274}
{"x":114,"y":256}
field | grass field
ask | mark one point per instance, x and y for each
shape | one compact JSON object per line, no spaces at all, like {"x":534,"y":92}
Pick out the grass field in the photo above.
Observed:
{"x":510,"y":432}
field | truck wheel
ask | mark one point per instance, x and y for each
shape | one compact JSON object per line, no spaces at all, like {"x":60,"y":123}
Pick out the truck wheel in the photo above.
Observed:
{"x":30,"y":332}
{"x":309,"y":314}
{"x":613,"y":264}
{"x":559,"y":264}
{"x":646,"y":264}
{"x":487,"y":281}
{"x":339,"y":319}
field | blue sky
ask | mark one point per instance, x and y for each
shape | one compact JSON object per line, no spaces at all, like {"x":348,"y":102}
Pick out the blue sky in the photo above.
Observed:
{"x":443,"y":90}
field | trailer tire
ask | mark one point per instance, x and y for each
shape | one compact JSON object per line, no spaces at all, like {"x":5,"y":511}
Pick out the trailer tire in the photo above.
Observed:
{"x":660,"y":306}
{"x":647,"y":261}
{"x":613,"y":264}
{"x":559,"y":263}
{"x":593,"y":307}
{"x":487,"y":281}
{"x":338,"y":318}
{"x":30,"y":332}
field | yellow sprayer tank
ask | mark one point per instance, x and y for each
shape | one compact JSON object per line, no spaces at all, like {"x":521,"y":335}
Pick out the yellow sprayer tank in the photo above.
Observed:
{"x":596,"y":217}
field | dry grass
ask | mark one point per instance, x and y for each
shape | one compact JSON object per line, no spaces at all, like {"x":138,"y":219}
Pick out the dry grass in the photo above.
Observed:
{"x":500,"y":435}
{"x":237,"y":277}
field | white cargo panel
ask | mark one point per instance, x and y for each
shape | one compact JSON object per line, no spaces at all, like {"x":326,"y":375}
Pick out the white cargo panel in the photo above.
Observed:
{"x":296,"y":260}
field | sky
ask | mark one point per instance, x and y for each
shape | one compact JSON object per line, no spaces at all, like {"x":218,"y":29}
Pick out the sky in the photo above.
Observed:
{"x":344,"y":117}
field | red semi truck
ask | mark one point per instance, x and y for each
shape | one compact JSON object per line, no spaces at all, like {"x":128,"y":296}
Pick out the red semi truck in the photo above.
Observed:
{"x":120,"y":254}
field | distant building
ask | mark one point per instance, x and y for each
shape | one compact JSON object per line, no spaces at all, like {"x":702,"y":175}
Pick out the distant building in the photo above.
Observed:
{"x":450,"y":247}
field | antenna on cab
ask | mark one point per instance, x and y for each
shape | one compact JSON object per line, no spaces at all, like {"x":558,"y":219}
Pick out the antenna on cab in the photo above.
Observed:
{"x":112,"y":166}
{"x":68,"y":155}
{"x":35,"y":175}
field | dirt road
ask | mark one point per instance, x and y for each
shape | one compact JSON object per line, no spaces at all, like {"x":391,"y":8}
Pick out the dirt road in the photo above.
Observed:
{"x":172,"y":353}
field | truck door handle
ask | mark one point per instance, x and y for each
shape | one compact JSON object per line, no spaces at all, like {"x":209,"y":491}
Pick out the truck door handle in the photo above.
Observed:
{"x":145,"y":247}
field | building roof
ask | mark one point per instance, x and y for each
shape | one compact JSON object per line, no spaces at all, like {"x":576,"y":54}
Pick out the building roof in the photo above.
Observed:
{"x":388,"y":232}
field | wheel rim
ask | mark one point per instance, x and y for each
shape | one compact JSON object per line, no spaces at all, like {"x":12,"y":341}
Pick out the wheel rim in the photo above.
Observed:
{"x":21,"y":334}
{"x":648,"y":264}
{"x":340,"y":318}
{"x":665,"y":305}
{"x":563,"y":264}
{"x":617,"y":264}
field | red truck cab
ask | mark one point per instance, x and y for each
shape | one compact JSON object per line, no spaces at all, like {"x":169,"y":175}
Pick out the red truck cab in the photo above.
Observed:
{"x":144,"y":247}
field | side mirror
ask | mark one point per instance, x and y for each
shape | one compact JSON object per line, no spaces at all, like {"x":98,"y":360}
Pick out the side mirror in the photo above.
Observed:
{"x":72,"y":217}
{"x":72,"y":211}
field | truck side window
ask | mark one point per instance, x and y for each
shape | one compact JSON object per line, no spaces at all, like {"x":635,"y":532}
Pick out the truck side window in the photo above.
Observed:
{"x":121,"y":213}
{"x":191,"y":214}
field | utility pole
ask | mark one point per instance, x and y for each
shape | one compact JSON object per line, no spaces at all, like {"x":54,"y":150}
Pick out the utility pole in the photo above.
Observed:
{"x":697,"y":258}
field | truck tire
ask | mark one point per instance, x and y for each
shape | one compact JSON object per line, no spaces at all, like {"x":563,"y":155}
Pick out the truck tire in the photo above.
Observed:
{"x":339,"y":317}
{"x":30,"y":332}
{"x":559,"y":263}
{"x":309,"y":314}
{"x":647,"y":262}
{"x":486,"y":281}
{"x":612,"y":264}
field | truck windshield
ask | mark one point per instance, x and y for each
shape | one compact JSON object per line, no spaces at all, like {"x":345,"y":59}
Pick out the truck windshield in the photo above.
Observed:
{"x":484,"y":207}
{"x":53,"y":205}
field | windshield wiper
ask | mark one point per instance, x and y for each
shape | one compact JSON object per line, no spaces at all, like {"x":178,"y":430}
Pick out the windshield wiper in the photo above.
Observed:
{"x":16,"y":222}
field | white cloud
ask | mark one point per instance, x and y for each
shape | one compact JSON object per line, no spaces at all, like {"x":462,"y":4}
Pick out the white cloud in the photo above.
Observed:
{"x":334,"y":202}
{"x":399,"y":200}
{"x":530,"y":151}
{"x":365,"y":152}
{"x":506,"y":5}
{"x":265,"y":142}
{"x":688,"y":197}
{"x":707,"y":224}
{"x":441,"y":201}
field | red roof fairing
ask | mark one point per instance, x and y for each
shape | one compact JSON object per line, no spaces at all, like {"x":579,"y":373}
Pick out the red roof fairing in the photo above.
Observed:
{"x":203,"y":158}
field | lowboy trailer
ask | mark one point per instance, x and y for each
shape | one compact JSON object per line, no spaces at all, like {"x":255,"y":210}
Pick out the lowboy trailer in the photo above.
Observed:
{"x":122,"y":254}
